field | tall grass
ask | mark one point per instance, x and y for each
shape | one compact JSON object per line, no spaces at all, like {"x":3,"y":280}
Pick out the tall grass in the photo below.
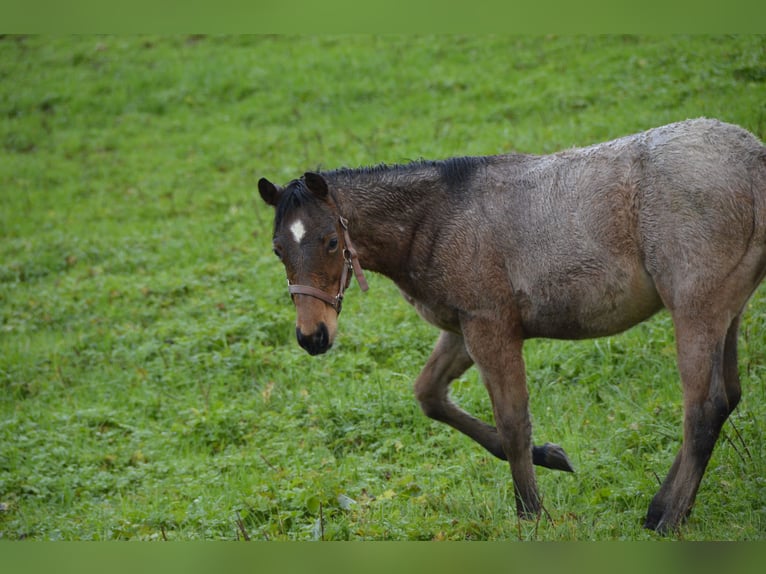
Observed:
{"x":150,"y":387}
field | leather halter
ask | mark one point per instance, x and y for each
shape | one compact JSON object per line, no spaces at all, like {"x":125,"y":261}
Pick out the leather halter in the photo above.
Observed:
{"x":350,"y":263}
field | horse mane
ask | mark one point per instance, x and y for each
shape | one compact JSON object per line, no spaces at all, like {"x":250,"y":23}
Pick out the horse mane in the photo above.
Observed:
{"x":452,"y":173}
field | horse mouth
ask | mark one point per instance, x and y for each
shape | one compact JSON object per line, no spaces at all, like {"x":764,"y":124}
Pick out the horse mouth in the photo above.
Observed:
{"x":316,"y":343}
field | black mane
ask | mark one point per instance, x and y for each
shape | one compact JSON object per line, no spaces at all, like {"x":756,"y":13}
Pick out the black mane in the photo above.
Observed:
{"x":452,"y":173}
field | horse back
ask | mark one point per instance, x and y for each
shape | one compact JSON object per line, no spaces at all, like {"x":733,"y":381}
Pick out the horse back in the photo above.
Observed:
{"x":597,"y":239}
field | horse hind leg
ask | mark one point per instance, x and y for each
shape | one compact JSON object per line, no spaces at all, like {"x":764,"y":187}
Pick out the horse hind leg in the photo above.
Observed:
{"x":707,"y":361}
{"x":448,"y":361}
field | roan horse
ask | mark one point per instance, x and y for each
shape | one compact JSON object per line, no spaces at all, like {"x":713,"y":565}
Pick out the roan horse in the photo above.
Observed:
{"x":579,"y":244}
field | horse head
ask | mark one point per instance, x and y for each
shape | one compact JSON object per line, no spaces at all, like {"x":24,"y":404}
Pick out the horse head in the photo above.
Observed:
{"x":311,"y":239}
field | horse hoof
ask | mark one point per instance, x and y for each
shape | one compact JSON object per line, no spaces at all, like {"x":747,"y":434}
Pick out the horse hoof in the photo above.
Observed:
{"x":663,"y":522}
{"x":551,"y":456}
{"x":659,"y":526}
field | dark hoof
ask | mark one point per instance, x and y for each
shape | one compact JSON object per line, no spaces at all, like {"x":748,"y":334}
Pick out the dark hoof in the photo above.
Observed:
{"x":653,"y":517}
{"x":551,"y":456}
{"x":658,"y":525}
{"x":657,"y":521}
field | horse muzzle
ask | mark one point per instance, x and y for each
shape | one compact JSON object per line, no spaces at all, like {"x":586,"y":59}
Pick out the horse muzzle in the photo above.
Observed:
{"x":316,"y":343}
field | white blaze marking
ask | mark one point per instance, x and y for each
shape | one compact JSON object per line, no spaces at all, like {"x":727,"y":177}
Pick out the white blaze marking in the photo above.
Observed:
{"x":298,"y":230}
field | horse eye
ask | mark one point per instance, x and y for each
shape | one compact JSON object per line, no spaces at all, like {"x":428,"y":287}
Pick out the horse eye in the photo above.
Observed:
{"x":278,"y":254}
{"x":332,"y":245}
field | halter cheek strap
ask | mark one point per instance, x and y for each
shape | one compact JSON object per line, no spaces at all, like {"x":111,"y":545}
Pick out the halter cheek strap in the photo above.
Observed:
{"x":350,"y":263}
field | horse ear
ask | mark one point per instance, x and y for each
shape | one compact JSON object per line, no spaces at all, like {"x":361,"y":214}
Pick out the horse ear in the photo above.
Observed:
{"x":269,"y":192}
{"x":316,"y":183}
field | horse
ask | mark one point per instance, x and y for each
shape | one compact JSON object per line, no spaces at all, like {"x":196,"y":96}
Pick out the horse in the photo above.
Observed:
{"x":583,"y":243}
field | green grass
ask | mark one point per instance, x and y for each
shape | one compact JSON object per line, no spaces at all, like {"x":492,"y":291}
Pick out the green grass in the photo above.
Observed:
{"x":150,"y":384}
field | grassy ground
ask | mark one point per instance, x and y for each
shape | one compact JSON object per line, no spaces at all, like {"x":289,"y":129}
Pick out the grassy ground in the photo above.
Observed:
{"x":150,"y":386}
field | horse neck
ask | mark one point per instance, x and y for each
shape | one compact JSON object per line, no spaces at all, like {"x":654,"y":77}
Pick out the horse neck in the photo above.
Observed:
{"x":385,"y":211}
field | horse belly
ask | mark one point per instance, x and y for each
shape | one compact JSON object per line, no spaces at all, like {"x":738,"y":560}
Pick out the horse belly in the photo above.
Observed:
{"x":593,"y":306}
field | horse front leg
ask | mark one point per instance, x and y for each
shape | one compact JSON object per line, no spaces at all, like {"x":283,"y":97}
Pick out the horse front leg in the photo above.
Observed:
{"x":496,"y":347}
{"x":447,"y":362}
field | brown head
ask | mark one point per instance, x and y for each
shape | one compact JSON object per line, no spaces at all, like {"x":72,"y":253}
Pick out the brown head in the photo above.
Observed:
{"x":311,"y":240}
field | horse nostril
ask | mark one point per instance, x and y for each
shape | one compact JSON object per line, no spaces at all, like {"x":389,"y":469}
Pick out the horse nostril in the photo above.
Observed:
{"x":322,"y":337}
{"x":316,"y":343}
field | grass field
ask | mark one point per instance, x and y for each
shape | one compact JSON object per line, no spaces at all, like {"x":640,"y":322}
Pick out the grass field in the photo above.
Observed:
{"x":150,"y":384}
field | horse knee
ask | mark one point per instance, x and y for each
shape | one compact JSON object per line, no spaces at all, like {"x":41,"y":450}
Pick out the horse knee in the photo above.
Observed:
{"x":432,"y":405}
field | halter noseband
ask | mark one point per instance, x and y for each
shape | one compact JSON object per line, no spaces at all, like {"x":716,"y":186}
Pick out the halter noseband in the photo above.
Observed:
{"x":350,"y":263}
